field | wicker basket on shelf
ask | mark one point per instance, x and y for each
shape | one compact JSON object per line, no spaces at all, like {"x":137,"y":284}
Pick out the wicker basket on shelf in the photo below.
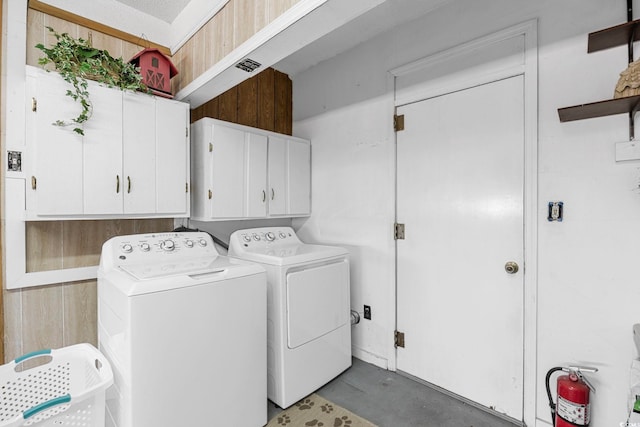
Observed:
{"x":629,"y":82}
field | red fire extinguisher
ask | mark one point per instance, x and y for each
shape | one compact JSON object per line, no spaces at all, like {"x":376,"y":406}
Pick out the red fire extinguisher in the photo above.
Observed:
{"x":573,"y":407}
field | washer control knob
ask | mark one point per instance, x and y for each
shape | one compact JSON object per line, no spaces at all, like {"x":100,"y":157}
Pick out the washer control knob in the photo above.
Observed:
{"x":246,"y":238}
{"x":282,"y":235}
{"x":188,"y":243}
{"x":202,"y":242}
{"x":168,"y":245}
{"x":127,"y":248}
{"x":270,"y":236}
{"x":145,"y":247}
{"x":256,"y":237}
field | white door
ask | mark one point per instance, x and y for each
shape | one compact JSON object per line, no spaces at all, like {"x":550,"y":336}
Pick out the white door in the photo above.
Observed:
{"x":460,"y":196}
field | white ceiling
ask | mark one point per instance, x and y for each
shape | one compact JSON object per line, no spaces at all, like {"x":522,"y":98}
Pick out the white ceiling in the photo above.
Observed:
{"x":378,"y":20}
{"x":173,"y":22}
{"x":386,"y":16}
{"x":165,"y":10}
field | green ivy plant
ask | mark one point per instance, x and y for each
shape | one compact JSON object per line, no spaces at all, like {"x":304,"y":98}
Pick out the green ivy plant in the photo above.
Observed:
{"x":76,"y":61}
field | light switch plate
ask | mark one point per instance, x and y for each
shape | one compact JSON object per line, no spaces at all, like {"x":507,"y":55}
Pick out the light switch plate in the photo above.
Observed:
{"x":628,"y":150}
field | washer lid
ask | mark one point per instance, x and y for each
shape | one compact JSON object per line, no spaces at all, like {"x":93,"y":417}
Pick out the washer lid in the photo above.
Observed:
{"x":140,"y":279}
{"x":188,"y":267}
{"x":290,"y":254}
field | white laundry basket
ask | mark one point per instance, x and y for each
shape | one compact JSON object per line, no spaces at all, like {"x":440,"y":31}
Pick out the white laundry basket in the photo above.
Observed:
{"x":68,"y":389}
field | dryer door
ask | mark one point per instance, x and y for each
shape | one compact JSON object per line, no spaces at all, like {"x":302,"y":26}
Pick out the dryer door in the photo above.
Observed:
{"x":317,"y":301}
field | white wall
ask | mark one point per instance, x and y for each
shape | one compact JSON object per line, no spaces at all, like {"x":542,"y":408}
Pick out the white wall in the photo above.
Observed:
{"x":588,"y":269}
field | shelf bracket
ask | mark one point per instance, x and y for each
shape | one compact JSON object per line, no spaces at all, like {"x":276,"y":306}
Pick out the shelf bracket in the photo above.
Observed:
{"x":632,"y":36}
{"x":632,"y":115}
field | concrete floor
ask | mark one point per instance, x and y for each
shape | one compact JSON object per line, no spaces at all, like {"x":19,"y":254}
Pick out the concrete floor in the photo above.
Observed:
{"x":391,"y":400}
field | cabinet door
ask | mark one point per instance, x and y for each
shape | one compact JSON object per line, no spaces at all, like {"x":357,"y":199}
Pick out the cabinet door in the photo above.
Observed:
{"x":299,"y":177}
{"x":256,"y":164}
{"x":102,"y":153}
{"x":172,"y":151}
{"x":277,"y":176}
{"x":57,"y":150}
{"x":139,"y":147}
{"x":227,"y":184}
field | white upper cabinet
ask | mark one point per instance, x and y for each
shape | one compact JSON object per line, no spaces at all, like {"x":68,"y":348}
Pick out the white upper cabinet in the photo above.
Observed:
{"x":256,"y":173}
{"x":242,"y":172}
{"x":139,"y":135}
{"x":58,"y":159}
{"x":277,"y":189}
{"x":172,"y":158}
{"x":132,"y":162}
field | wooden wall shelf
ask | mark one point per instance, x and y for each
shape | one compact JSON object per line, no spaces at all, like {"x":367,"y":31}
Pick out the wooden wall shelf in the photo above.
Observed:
{"x":619,"y":35}
{"x":614,"y":36}
{"x":609,"y":107}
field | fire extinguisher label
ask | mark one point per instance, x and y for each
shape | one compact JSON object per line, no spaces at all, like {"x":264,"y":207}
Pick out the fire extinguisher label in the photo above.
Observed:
{"x":575,"y":413}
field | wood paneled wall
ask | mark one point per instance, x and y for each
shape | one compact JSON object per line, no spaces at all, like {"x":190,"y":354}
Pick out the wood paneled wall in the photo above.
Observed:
{"x":228,"y":29}
{"x":264,"y":101}
{"x":65,"y":314}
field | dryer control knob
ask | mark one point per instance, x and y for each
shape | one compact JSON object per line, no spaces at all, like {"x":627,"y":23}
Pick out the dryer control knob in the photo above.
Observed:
{"x":282,"y":235}
{"x":127,"y":248}
{"x":202,"y":242}
{"x":246,"y":238}
{"x":270,"y":236}
{"x":256,"y":237}
{"x":145,"y":247}
{"x":188,"y":243}
{"x":168,"y":245}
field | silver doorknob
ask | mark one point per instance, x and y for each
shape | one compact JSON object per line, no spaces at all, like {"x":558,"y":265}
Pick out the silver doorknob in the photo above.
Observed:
{"x":511,"y":267}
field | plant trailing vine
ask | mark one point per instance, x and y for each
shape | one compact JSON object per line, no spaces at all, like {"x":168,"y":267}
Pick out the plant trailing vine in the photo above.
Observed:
{"x":76,"y":61}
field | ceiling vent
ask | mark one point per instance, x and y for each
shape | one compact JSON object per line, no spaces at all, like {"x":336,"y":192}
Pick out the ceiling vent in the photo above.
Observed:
{"x":248,"y":65}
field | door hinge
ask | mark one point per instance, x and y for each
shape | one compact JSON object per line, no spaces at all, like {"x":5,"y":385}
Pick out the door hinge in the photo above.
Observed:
{"x":399,"y":339}
{"x":398,"y":231}
{"x":34,"y":104}
{"x":398,"y":122}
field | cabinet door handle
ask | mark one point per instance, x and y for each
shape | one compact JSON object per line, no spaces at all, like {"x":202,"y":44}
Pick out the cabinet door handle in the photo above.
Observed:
{"x":264,"y":196}
{"x":210,"y":194}
{"x":128,"y":184}
{"x":273,"y":194}
{"x":117,"y":184}
{"x":34,"y":182}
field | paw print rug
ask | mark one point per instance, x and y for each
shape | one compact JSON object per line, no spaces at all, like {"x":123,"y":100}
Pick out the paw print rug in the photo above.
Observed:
{"x":315,"y":411}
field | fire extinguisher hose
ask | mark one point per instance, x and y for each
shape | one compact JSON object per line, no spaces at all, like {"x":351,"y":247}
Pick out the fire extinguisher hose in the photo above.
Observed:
{"x":551,"y":404}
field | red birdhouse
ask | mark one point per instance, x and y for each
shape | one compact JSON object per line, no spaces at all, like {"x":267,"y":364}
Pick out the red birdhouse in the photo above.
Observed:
{"x":156,"y":69}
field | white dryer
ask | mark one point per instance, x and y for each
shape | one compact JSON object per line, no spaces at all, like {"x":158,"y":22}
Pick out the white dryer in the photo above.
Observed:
{"x":185,"y":332}
{"x":308,"y":309}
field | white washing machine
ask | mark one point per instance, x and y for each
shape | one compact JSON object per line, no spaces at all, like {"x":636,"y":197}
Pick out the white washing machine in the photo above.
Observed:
{"x":185,"y":332}
{"x":308,"y":309}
